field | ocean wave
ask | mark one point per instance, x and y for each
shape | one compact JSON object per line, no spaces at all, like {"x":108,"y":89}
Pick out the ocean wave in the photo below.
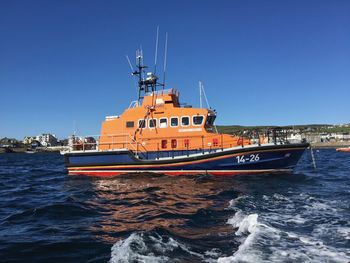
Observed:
{"x":265,"y":237}
{"x":149,"y":247}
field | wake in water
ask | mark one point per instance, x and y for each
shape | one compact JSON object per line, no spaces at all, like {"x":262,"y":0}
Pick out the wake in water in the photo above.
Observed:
{"x":285,"y":232}
{"x":150,"y":247}
{"x":261,"y":238}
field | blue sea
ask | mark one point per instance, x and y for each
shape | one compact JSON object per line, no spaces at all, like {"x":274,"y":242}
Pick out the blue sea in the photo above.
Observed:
{"x":49,"y":216}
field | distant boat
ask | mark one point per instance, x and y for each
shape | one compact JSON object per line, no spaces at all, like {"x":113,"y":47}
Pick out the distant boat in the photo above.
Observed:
{"x":345,"y":149}
{"x":30,"y":150}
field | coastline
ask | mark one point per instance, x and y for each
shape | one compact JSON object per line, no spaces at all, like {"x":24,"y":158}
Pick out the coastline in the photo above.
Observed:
{"x":329,"y":144}
{"x":55,"y":149}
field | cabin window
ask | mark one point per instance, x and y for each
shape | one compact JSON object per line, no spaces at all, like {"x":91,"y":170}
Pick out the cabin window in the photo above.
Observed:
{"x":164,"y":144}
{"x":152,"y":123}
{"x":174,"y":121}
{"x":142,"y":124}
{"x":129,"y":124}
{"x":197,"y":120}
{"x":163,"y":123}
{"x":185,"y":121}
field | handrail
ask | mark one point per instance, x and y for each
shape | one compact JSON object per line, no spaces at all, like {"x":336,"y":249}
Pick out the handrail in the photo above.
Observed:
{"x":164,"y":92}
{"x":81,"y":144}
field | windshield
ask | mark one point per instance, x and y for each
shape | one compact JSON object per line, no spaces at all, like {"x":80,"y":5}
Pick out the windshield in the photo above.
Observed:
{"x":210,"y":122}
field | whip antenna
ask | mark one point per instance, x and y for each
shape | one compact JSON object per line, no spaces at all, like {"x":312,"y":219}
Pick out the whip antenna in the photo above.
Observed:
{"x":200,"y":94}
{"x":127,"y":58}
{"x":165,"y":53}
{"x":141,"y":55}
{"x":156,"y":52}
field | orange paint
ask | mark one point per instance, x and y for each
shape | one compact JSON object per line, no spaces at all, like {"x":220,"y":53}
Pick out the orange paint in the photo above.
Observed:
{"x":161,"y":124}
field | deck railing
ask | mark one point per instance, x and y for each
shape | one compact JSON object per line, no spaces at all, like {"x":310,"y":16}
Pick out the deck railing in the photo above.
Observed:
{"x":92,"y":142}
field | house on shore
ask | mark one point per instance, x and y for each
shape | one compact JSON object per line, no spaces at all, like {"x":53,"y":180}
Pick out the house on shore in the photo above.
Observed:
{"x":9,"y":143}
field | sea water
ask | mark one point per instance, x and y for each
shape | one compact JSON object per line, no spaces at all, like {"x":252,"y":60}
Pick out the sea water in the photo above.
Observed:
{"x":48,"y":216}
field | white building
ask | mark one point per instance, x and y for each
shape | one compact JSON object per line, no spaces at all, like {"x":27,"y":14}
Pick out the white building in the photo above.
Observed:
{"x":294,"y":138}
{"x":47,"y":139}
{"x":28,"y":139}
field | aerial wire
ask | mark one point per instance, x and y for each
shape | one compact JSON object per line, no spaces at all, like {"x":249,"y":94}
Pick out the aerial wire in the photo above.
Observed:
{"x":156,"y":52}
{"x":165,"y":54}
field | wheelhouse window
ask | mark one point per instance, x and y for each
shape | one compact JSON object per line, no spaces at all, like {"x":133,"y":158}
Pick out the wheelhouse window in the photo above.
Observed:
{"x":129,"y":124}
{"x":197,"y":120}
{"x":174,"y":121}
{"x":210,"y":121}
{"x":152,"y":123}
{"x":163,"y":123}
{"x":142,"y":124}
{"x":185,"y":121}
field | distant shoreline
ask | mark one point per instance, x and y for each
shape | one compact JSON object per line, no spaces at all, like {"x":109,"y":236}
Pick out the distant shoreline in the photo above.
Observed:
{"x":329,"y":144}
{"x":38,"y":150}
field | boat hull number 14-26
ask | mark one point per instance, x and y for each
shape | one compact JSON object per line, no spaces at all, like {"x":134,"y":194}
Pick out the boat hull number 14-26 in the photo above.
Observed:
{"x":249,"y":159}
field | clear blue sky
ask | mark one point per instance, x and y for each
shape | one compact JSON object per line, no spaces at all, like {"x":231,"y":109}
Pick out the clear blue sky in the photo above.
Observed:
{"x":262,"y":62}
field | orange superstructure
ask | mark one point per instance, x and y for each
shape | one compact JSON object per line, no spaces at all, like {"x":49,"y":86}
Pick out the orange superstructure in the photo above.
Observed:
{"x":160,"y":123}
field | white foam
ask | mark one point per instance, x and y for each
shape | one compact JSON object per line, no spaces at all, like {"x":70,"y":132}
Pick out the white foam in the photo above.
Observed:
{"x":264,"y":239}
{"x":164,"y":246}
{"x":211,"y":256}
{"x":234,"y":202}
{"x":246,"y":225}
{"x":135,"y":248}
{"x":212,"y":253}
{"x":344,"y":232}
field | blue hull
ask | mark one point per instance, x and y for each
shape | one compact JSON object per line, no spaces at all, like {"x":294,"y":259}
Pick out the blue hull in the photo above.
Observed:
{"x":259,"y":159}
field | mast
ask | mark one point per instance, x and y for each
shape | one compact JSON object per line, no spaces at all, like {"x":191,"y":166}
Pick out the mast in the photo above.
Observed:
{"x":148,"y":81}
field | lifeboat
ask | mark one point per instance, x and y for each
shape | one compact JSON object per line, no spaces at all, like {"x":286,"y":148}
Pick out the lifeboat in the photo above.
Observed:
{"x":346,"y":149}
{"x":158,"y":134}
